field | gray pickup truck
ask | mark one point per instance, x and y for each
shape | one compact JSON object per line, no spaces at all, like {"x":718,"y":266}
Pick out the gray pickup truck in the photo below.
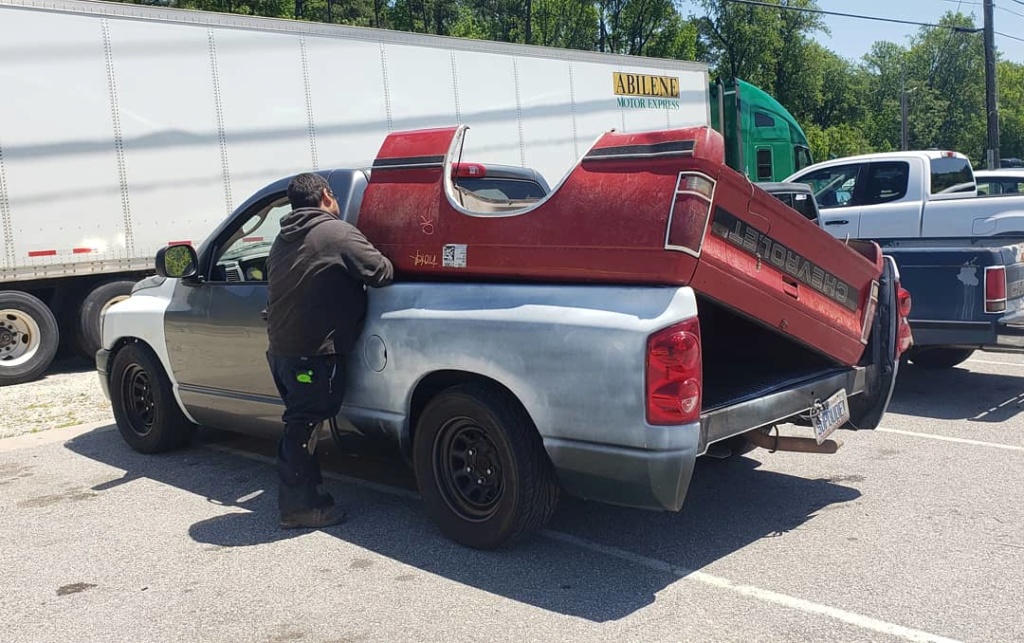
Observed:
{"x":500,"y":395}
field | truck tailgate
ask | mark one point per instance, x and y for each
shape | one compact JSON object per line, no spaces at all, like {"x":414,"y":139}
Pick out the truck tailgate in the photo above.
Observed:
{"x":963,"y":289}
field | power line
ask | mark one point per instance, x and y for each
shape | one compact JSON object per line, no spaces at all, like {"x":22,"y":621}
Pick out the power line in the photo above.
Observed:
{"x":1019,"y":2}
{"x":999,"y":33}
{"x":1016,"y":13}
{"x":756,"y":3}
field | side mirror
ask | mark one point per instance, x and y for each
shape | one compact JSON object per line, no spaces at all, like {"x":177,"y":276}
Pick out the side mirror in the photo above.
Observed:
{"x":177,"y":262}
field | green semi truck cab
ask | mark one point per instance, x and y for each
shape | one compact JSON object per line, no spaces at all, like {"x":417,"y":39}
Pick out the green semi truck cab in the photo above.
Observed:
{"x":762,"y":139}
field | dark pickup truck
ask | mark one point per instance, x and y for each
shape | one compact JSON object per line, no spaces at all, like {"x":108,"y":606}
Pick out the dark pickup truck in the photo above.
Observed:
{"x":968,"y":293}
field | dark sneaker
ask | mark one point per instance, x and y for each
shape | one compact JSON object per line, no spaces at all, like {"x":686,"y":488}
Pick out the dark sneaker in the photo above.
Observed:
{"x":315,"y":518}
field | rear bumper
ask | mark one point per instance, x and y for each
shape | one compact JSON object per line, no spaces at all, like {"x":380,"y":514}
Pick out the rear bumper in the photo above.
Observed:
{"x":969,"y":334}
{"x":640,"y":478}
{"x":102,"y":368}
{"x":792,"y":400}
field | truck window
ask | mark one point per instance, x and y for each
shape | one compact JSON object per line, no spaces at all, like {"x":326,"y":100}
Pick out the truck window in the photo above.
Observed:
{"x":502,"y":189}
{"x":887,"y":182}
{"x":991,"y":187}
{"x":802,"y":157}
{"x":244,"y":258}
{"x":764,"y":164}
{"x":803,"y":204}
{"x":834,"y":186}
{"x":762,"y":119}
{"x":951,"y":174}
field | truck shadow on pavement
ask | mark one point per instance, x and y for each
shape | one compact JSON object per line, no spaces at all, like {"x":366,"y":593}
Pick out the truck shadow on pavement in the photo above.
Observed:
{"x":957,"y":394}
{"x":596,"y":562}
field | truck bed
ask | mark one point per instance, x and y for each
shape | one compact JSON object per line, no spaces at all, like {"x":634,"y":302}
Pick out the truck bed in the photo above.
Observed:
{"x":745,"y":361}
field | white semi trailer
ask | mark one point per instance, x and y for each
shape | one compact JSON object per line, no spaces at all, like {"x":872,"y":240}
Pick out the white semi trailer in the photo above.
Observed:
{"x":121,"y":124}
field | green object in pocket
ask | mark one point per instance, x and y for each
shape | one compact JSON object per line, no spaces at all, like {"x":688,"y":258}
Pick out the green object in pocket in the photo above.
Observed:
{"x":304,"y":377}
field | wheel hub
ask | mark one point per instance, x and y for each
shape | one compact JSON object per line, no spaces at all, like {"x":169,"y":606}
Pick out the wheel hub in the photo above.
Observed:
{"x":468,"y":467}
{"x":137,"y":393}
{"x":20,"y":337}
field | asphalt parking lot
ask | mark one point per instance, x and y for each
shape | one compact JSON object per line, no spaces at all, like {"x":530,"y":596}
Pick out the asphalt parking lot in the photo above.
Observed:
{"x":913,"y":532}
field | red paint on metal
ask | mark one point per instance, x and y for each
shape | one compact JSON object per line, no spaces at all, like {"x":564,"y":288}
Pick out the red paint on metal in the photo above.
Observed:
{"x":608,"y":223}
{"x":252,"y":239}
{"x":42,"y":253}
{"x":81,"y":251}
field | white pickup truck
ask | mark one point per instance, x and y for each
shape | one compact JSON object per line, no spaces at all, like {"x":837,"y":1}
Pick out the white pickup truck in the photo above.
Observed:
{"x":908,"y":195}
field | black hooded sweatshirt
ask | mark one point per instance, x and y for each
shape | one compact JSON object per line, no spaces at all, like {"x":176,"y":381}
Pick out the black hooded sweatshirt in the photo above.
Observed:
{"x":317,"y":271}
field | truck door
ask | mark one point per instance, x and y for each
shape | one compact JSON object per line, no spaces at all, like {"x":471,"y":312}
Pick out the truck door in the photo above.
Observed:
{"x":837,"y":190}
{"x":224,"y":377}
{"x":889,"y":213}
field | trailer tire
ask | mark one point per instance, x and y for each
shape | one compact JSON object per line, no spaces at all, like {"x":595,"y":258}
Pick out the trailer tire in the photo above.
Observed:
{"x":89,"y":329}
{"x":939,"y":358}
{"x":146,"y":413}
{"x":478,"y":432}
{"x":29,"y":337}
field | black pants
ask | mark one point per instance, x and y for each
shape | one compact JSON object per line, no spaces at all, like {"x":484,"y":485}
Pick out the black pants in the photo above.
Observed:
{"x":312,"y":389}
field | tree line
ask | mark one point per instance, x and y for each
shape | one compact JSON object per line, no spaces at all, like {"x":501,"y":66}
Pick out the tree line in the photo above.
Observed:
{"x":845,"y":106}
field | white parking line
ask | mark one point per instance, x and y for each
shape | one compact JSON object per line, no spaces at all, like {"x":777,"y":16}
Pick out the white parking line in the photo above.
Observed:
{"x":991,"y":361}
{"x":978,"y":443}
{"x":767,"y":595}
{"x":858,"y":620}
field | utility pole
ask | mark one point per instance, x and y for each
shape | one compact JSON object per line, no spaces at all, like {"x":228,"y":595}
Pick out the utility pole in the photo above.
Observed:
{"x":904,"y":125}
{"x":991,"y":106}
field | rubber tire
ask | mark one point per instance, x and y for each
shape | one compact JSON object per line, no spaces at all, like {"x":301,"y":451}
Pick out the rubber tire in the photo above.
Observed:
{"x":89,"y":326}
{"x":171,"y":429}
{"x":939,"y":358}
{"x":530,"y":487}
{"x":48,"y":332}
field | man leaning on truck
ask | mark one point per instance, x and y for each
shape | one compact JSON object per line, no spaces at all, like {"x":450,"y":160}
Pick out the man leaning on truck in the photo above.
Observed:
{"x":317,"y":273}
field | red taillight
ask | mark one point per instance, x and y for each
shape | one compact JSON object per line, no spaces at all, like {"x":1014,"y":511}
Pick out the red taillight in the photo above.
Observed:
{"x":688,"y":216}
{"x":995,"y":289}
{"x":905,"y":302}
{"x":674,"y":374}
{"x":905,"y":337}
{"x":468,"y":170}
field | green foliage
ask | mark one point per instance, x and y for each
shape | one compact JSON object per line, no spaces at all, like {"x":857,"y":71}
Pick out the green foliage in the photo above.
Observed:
{"x":845,"y":106}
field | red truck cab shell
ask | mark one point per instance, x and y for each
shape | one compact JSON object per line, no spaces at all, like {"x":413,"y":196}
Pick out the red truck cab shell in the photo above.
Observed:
{"x":638,"y":208}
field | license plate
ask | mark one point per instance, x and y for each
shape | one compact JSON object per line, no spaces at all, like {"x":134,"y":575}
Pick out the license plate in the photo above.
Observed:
{"x":834,"y":413}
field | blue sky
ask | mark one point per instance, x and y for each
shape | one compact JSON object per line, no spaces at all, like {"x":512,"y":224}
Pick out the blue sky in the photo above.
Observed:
{"x":851,"y":37}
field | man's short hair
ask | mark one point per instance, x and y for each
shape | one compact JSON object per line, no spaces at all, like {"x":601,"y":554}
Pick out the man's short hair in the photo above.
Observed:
{"x":306,"y":190}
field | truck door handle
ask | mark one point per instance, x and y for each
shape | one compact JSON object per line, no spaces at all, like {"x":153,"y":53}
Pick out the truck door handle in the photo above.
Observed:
{"x":837,"y":222}
{"x":791,"y":287}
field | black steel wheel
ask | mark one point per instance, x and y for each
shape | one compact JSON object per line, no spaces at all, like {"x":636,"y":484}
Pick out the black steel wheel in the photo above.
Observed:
{"x":481,"y":467}
{"x":468,"y":469}
{"x":147,"y":415}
